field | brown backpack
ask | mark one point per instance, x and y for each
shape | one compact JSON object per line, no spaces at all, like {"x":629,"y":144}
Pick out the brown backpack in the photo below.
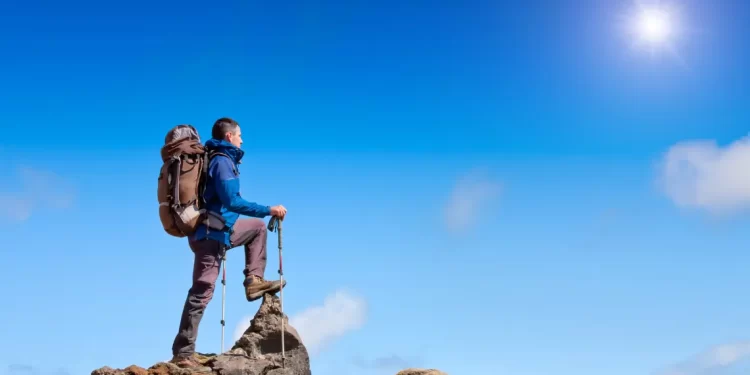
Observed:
{"x":182,"y":180}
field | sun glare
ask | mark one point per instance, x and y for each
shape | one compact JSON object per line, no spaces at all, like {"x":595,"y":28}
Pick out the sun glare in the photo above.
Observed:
{"x":654,"y":26}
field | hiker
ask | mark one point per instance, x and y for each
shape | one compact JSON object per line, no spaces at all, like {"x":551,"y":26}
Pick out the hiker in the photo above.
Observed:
{"x":222,"y":195}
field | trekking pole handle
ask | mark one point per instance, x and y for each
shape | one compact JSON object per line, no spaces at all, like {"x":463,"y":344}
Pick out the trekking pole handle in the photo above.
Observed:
{"x":279,"y":229}
{"x":275,"y":225}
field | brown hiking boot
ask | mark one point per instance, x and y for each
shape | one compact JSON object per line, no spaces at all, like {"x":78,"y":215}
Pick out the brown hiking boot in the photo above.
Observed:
{"x":256,"y":287}
{"x":190,"y":363}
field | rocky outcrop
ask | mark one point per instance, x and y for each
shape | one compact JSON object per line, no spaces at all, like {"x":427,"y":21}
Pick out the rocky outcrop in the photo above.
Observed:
{"x":257,"y":352}
{"x":259,"y":348}
{"x":419,"y":371}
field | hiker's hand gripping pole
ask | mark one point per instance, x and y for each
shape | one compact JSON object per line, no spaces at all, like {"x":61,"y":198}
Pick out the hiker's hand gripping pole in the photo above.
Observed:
{"x":275,"y":225}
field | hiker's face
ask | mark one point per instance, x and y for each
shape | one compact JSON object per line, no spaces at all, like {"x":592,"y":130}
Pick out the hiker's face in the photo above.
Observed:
{"x":235,"y":138}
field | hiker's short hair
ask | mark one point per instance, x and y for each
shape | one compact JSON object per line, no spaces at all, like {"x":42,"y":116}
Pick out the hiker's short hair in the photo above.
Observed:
{"x":222,"y":126}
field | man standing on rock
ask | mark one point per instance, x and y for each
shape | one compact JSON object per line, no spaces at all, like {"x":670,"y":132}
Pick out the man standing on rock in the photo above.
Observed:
{"x":222,"y":195}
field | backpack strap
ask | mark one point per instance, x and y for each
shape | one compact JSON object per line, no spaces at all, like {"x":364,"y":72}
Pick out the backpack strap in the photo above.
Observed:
{"x":212,"y":154}
{"x":207,"y":157}
{"x":204,"y":180}
{"x":173,"y":180}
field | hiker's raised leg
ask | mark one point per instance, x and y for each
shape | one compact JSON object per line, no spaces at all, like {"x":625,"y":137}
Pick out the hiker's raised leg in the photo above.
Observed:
{"x":251,"y":234}
{"x":205,"y":272}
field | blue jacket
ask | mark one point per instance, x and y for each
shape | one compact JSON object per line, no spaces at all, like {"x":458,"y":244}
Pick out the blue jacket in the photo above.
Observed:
{"x":222,"y":193}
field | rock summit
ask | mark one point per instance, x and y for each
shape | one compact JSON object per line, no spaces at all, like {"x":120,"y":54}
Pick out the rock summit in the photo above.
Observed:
{"x":257,"y":352}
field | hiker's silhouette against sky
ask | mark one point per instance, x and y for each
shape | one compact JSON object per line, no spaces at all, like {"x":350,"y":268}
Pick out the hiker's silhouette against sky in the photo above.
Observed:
{"x":537,"y":187}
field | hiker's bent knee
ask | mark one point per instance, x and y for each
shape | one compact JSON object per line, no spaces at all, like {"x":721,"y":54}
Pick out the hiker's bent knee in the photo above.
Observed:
{"x":262,"y":232}
{"x":257,"y":224}
{"x":252,"y":226}
{"x":203,"y":290}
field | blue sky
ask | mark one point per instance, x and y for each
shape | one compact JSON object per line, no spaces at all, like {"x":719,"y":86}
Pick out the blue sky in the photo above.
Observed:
{"x":479,"y":187}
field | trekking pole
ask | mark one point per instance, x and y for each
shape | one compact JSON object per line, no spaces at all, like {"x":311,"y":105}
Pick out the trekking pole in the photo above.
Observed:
{"x":281,"y":297}
{"x":223,"y":292}
{"x":275,"y":223}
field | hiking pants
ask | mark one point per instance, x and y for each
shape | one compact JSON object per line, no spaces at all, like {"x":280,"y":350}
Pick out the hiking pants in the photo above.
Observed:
{"x":248,"y":232}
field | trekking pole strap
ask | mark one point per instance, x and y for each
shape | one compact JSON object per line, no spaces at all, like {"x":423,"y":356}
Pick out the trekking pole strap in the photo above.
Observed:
{"x":274,"y":224}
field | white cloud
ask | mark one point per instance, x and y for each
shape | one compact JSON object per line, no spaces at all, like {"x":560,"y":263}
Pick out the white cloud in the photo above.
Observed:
{"x":320,"y":325}
{"x":469,"y":197}
{"x":713,"y":359}
{"x":700,"y":174}
{"x":340,"y":313}
{"x":33,"y":189}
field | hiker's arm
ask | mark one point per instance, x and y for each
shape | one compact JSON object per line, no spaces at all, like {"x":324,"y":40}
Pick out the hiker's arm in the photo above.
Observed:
{"x":228,"y":189}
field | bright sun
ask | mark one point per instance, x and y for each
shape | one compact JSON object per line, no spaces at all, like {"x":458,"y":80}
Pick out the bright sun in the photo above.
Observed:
{"x":654,"y":26}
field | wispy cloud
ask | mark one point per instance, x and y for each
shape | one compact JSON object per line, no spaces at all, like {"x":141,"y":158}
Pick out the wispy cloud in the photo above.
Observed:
{"x":17,"y":369}
{"x":340,"y":313}
{"x":468,"y":199}
{"x":712,"y":360}
{"x":33,"y":189}
{"x":20,"y":369}
{"x":703,"y":175}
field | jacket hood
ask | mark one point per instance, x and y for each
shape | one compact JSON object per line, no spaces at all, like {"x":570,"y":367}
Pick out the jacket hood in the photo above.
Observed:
{"x":234,"y":152}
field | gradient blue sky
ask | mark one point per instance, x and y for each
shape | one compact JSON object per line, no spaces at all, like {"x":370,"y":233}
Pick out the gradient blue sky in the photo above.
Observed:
{"x":479,"y":182}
